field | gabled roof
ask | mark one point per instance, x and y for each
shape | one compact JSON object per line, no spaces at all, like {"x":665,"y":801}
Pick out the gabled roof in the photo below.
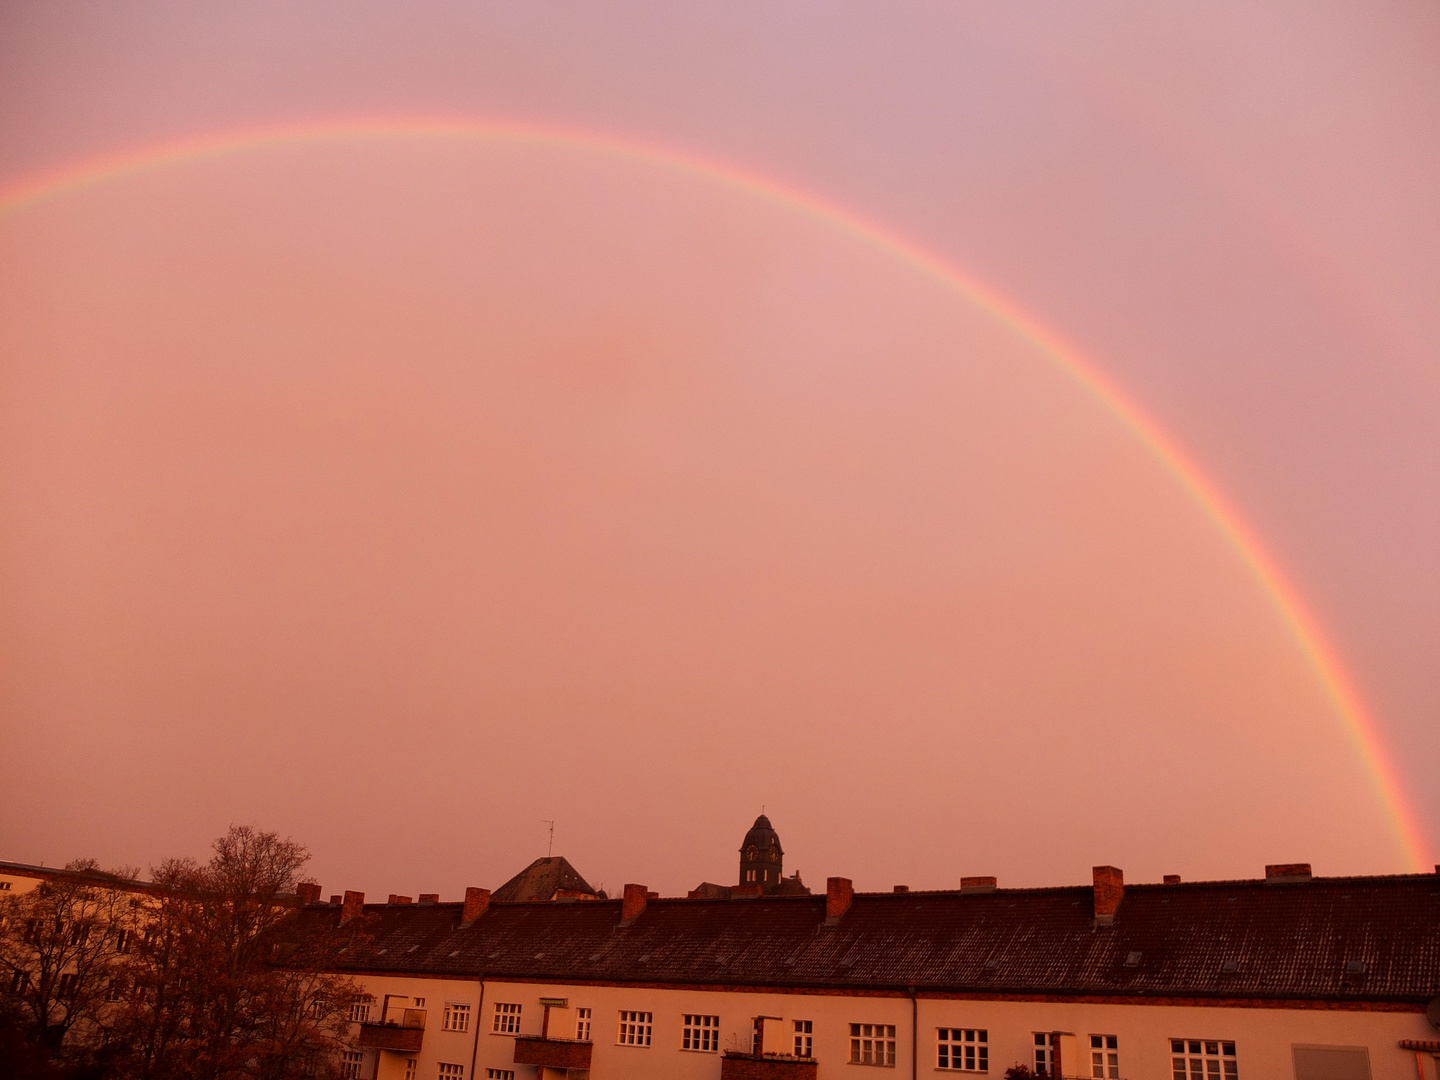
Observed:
{"x":542,"y":879}
{"x":1231,"y":939}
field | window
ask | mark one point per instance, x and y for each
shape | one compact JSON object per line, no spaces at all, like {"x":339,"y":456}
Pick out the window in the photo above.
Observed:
{"x":457,"y":1016}
{"x":872,"y":1044}
{"x":1203,"y":1059}
{"x":966,"y":1049}
{"x":114,"y":992}
{"x":360,"y":1012}
{"x":507,"y":1019}
{"x":1105,"y":1056}
{"x":80,"y":934}
{"x":67,"y":984}
{"x":582,"y":1025}
{"x":350,"y":1063}
{"x":122,"y":941}
{"x":635,"y":1028}
{"x":19,"y":980}
{"x":499,"y":1074}
{"x":451,"y":1072}
{"x":419,"y":1003}
{"x":701,"y":1033}
{"x":749,"y":875}
{"x":804,"y":1038}
{"x":4,"y":886}
{"x":1044,"y":1055}
{"x":412,"y":1067}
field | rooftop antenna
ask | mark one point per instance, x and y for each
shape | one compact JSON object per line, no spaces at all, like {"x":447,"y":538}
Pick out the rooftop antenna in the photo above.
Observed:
{"x":551,"y":846}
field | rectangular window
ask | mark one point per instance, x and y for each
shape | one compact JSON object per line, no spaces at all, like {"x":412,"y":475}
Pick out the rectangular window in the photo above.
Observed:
{"x":350,"y":1062}
{"x":804,"y":1038}
{"x":457,"y":1016}
{"x":635,"y":1028}
{"x":67,"y":984}
{"x":700,"y":1033}
{"x":1105,"y":1056}
{"x":499,"y":1074}
{"x":872,"y":1044}
{"x":360,"y":1012}
{"x":582,"y":1025}
{"x":4,"y":886}
{"x":419,"y":1003}
{"x":122,"y":941}
{"x":1044,"y":1058}
{"x":451,"y":1072}
{"x":114,"y":992}
{"x":1203,"y":1059}
{"x":412,"y":1068}
{"x":19,"y":980}
{"x":965,"y":1049}
{"x":507,"y":1019}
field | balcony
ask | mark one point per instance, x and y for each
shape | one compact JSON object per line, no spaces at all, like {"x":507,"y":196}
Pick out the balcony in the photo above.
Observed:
{"x":404,"y":1036}
{"x":552,"y":1053}
{"x":737,"y":1066}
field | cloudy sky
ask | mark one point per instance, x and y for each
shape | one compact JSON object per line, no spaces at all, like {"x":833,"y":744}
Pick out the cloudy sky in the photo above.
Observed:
{"x":572,"y":418}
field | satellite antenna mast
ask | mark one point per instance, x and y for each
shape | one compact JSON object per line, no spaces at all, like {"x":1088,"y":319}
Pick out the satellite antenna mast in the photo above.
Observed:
{"x":549,"y":850}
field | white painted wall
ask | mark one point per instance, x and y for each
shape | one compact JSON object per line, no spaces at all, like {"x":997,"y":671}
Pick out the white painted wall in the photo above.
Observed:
{"x":1264,"y":1037}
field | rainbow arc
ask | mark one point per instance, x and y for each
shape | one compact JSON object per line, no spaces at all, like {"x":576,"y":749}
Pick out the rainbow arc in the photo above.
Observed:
{"x":1340,"y":689}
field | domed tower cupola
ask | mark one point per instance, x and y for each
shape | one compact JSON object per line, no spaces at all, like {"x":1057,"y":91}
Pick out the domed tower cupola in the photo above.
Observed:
{"x":761,"y":857}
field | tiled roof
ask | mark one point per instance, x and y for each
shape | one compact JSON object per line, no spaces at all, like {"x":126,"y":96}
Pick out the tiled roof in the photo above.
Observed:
{"x":1234,"y":939}
{"x":542,"y":879}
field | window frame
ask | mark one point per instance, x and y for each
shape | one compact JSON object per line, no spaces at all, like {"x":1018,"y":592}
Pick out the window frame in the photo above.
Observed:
{"x":969,"y":1046}
{"x":455,"y":1011}
{"x":636,"y":1027}
{"x":507,"y":1016}
{"x":864,"y":1039}
{"x":703,"y":1029}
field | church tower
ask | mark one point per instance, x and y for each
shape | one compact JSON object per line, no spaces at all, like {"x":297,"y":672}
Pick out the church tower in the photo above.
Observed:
{"x":761,"y":857}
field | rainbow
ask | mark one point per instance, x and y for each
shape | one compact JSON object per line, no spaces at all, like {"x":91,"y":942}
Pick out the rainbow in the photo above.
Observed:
{"x":1360,"y":724}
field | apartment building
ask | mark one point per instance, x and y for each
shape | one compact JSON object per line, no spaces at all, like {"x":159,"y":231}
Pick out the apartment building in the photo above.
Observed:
{"x":1286,"y":976}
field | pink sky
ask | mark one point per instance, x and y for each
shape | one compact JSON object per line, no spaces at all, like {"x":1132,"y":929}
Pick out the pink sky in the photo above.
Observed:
{"x":400,"y":495}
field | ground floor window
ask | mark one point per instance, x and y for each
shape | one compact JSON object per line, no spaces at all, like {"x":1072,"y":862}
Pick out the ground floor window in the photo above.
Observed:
{"x":451,"y":1072}
{"x":1203,"y":1059}
{"x":350,"y":1062}
{"x":872,"y":1044}
{"x":966,"y":1049}
{"x":1044,"y":1053}
{"x":499,"y":1074}
{"x":412,"y":1068}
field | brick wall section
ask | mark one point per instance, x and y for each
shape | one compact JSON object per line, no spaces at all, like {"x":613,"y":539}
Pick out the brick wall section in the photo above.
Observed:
{"x":839,"y":892}
{"x":1109,"y":891}
{"x":735,"y":1066}
{"x":351,"y":906}
{"x":634,"y":902}
{"x":477,"y":902}
{"x":308,"y":892}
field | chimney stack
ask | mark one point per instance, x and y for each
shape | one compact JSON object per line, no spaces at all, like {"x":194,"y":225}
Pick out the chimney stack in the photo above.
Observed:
{"x":307,"y":892}
{"x":1287,"y":873}
{"x":477,"y":902}
{"x":1172,"y":879}
{"x":1109,"y":891}
{"x":838,"y":894}
{"x":351,"y":906}
{"x":429,"y":898}
{"x":635,"y":899}
{"x":977,"y":884}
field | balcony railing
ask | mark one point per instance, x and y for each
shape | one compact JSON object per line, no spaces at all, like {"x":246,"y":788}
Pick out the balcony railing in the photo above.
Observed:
{"x":737,"y":1066}
{"x":552,"y":1053}
{"x":405,"y":1036}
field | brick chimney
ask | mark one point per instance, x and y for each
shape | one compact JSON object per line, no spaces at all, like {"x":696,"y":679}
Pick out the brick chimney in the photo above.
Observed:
{"x":1287,"y":873}
{"x":307,"y":892}
{"x":429,"y":898}
{"x":1109,"y":891}
{"x":977,"y":884}
{"x":351,"y":906}
{"x":1172,"y":879}
{"x":477,"y":902}
{"x":838,"y":894}
{"x":396,"y":898}
{"x":633,"y":903}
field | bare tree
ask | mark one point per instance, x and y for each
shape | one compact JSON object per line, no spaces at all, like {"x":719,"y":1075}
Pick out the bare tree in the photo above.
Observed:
{"x":61,"y":952}
{"x":225,"y":984}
